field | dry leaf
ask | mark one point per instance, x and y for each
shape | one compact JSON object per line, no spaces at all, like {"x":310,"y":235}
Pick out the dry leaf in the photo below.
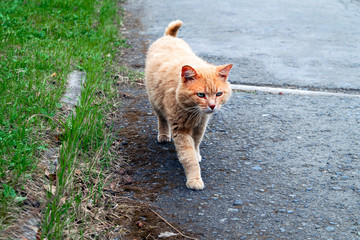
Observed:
{"x":113,"y":186}
{"x":122,"y":171}
{"x":38,"y":234}
{"x":50,"y":176}
{"x":62,"y":200}
{"x":50,"y":188}
{"x":139,"y":224}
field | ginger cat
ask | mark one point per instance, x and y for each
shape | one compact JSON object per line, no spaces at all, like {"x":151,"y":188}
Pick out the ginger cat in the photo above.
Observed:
{"x":184,"y":91}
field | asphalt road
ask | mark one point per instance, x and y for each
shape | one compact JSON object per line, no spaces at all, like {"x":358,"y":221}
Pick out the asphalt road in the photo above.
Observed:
{"x":302,"y":43}
{"x":274,"y":166}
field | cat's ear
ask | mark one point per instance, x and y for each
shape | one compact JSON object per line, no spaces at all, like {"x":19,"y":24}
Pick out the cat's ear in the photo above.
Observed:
{"x":224,"y":70}
{"x":188,"y":74}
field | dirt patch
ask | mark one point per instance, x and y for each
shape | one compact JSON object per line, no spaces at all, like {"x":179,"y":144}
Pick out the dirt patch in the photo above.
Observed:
{"x":144,"y":175}
{"x":146,"y":171}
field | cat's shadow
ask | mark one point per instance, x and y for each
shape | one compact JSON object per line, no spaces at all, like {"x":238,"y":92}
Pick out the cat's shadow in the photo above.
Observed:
{"x":155,"y":165}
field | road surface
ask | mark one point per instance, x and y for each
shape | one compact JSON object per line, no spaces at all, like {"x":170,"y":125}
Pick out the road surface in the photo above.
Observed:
{"x":275,"y":166}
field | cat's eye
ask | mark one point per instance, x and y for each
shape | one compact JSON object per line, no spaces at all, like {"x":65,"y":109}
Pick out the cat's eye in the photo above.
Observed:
{"x":219,"y":94}
{"x":200,"y":94}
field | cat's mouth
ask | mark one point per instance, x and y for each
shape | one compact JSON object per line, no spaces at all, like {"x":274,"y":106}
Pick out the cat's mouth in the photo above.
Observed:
{"x":210,"y":111}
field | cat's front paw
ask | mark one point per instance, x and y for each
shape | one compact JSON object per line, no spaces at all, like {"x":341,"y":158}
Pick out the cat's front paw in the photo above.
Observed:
{"x":163,"y":138}
{"x":195,"y":183}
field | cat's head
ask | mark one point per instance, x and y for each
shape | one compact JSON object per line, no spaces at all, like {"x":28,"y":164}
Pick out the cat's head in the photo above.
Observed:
{"x":205,"y":89}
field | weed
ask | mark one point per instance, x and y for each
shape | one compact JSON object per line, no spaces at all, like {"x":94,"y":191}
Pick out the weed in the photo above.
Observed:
{"x":42,"y":42}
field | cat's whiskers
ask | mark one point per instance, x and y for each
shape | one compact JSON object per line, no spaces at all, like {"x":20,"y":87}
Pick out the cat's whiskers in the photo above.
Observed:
{"x":195,"y":114}
{"x":190,"y":109}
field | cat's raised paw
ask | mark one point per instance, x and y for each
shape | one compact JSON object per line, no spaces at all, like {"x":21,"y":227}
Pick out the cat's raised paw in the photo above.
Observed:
{"x":163,"y":138}
{"x":195,"y":183}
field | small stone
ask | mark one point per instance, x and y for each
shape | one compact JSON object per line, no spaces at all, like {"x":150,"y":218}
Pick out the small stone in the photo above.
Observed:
{"x":235,"y":219}
{"x":233,"y":210}
{"x":282,"y":229}
{"x":290,"y":211}
{"x":238,"y":202}
{"x":330,"y":229}
{"x":167,"y":234}
{"x":281,"y":210}
{"x":256,"y":168}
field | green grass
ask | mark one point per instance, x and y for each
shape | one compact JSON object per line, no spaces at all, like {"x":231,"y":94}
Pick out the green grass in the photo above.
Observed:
{"x":41,"y":42}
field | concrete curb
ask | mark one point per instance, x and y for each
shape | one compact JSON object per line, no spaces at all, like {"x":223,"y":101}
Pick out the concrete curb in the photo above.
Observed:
{"x":71,"y":97}
{"x":72,"y":94}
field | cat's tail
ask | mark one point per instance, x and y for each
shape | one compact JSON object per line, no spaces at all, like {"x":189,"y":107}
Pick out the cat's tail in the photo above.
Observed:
{"x":173,"y":28}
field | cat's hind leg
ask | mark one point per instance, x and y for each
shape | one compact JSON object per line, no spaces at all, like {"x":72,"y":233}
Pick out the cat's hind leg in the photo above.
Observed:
{"x":163,"y":130}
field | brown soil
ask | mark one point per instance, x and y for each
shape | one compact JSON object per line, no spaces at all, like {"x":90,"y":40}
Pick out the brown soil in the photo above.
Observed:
{"x":136,"y":180}
{"x":140,"y":180}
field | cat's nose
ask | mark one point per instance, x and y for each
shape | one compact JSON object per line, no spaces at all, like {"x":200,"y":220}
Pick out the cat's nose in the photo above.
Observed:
{"x":212,"y":107}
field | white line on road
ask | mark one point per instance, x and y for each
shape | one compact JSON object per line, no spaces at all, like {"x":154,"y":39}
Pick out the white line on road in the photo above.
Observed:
{"x":249,"y":88}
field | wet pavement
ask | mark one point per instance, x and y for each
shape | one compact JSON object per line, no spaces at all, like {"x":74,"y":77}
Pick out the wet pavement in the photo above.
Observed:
{"x":274,"y":166}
